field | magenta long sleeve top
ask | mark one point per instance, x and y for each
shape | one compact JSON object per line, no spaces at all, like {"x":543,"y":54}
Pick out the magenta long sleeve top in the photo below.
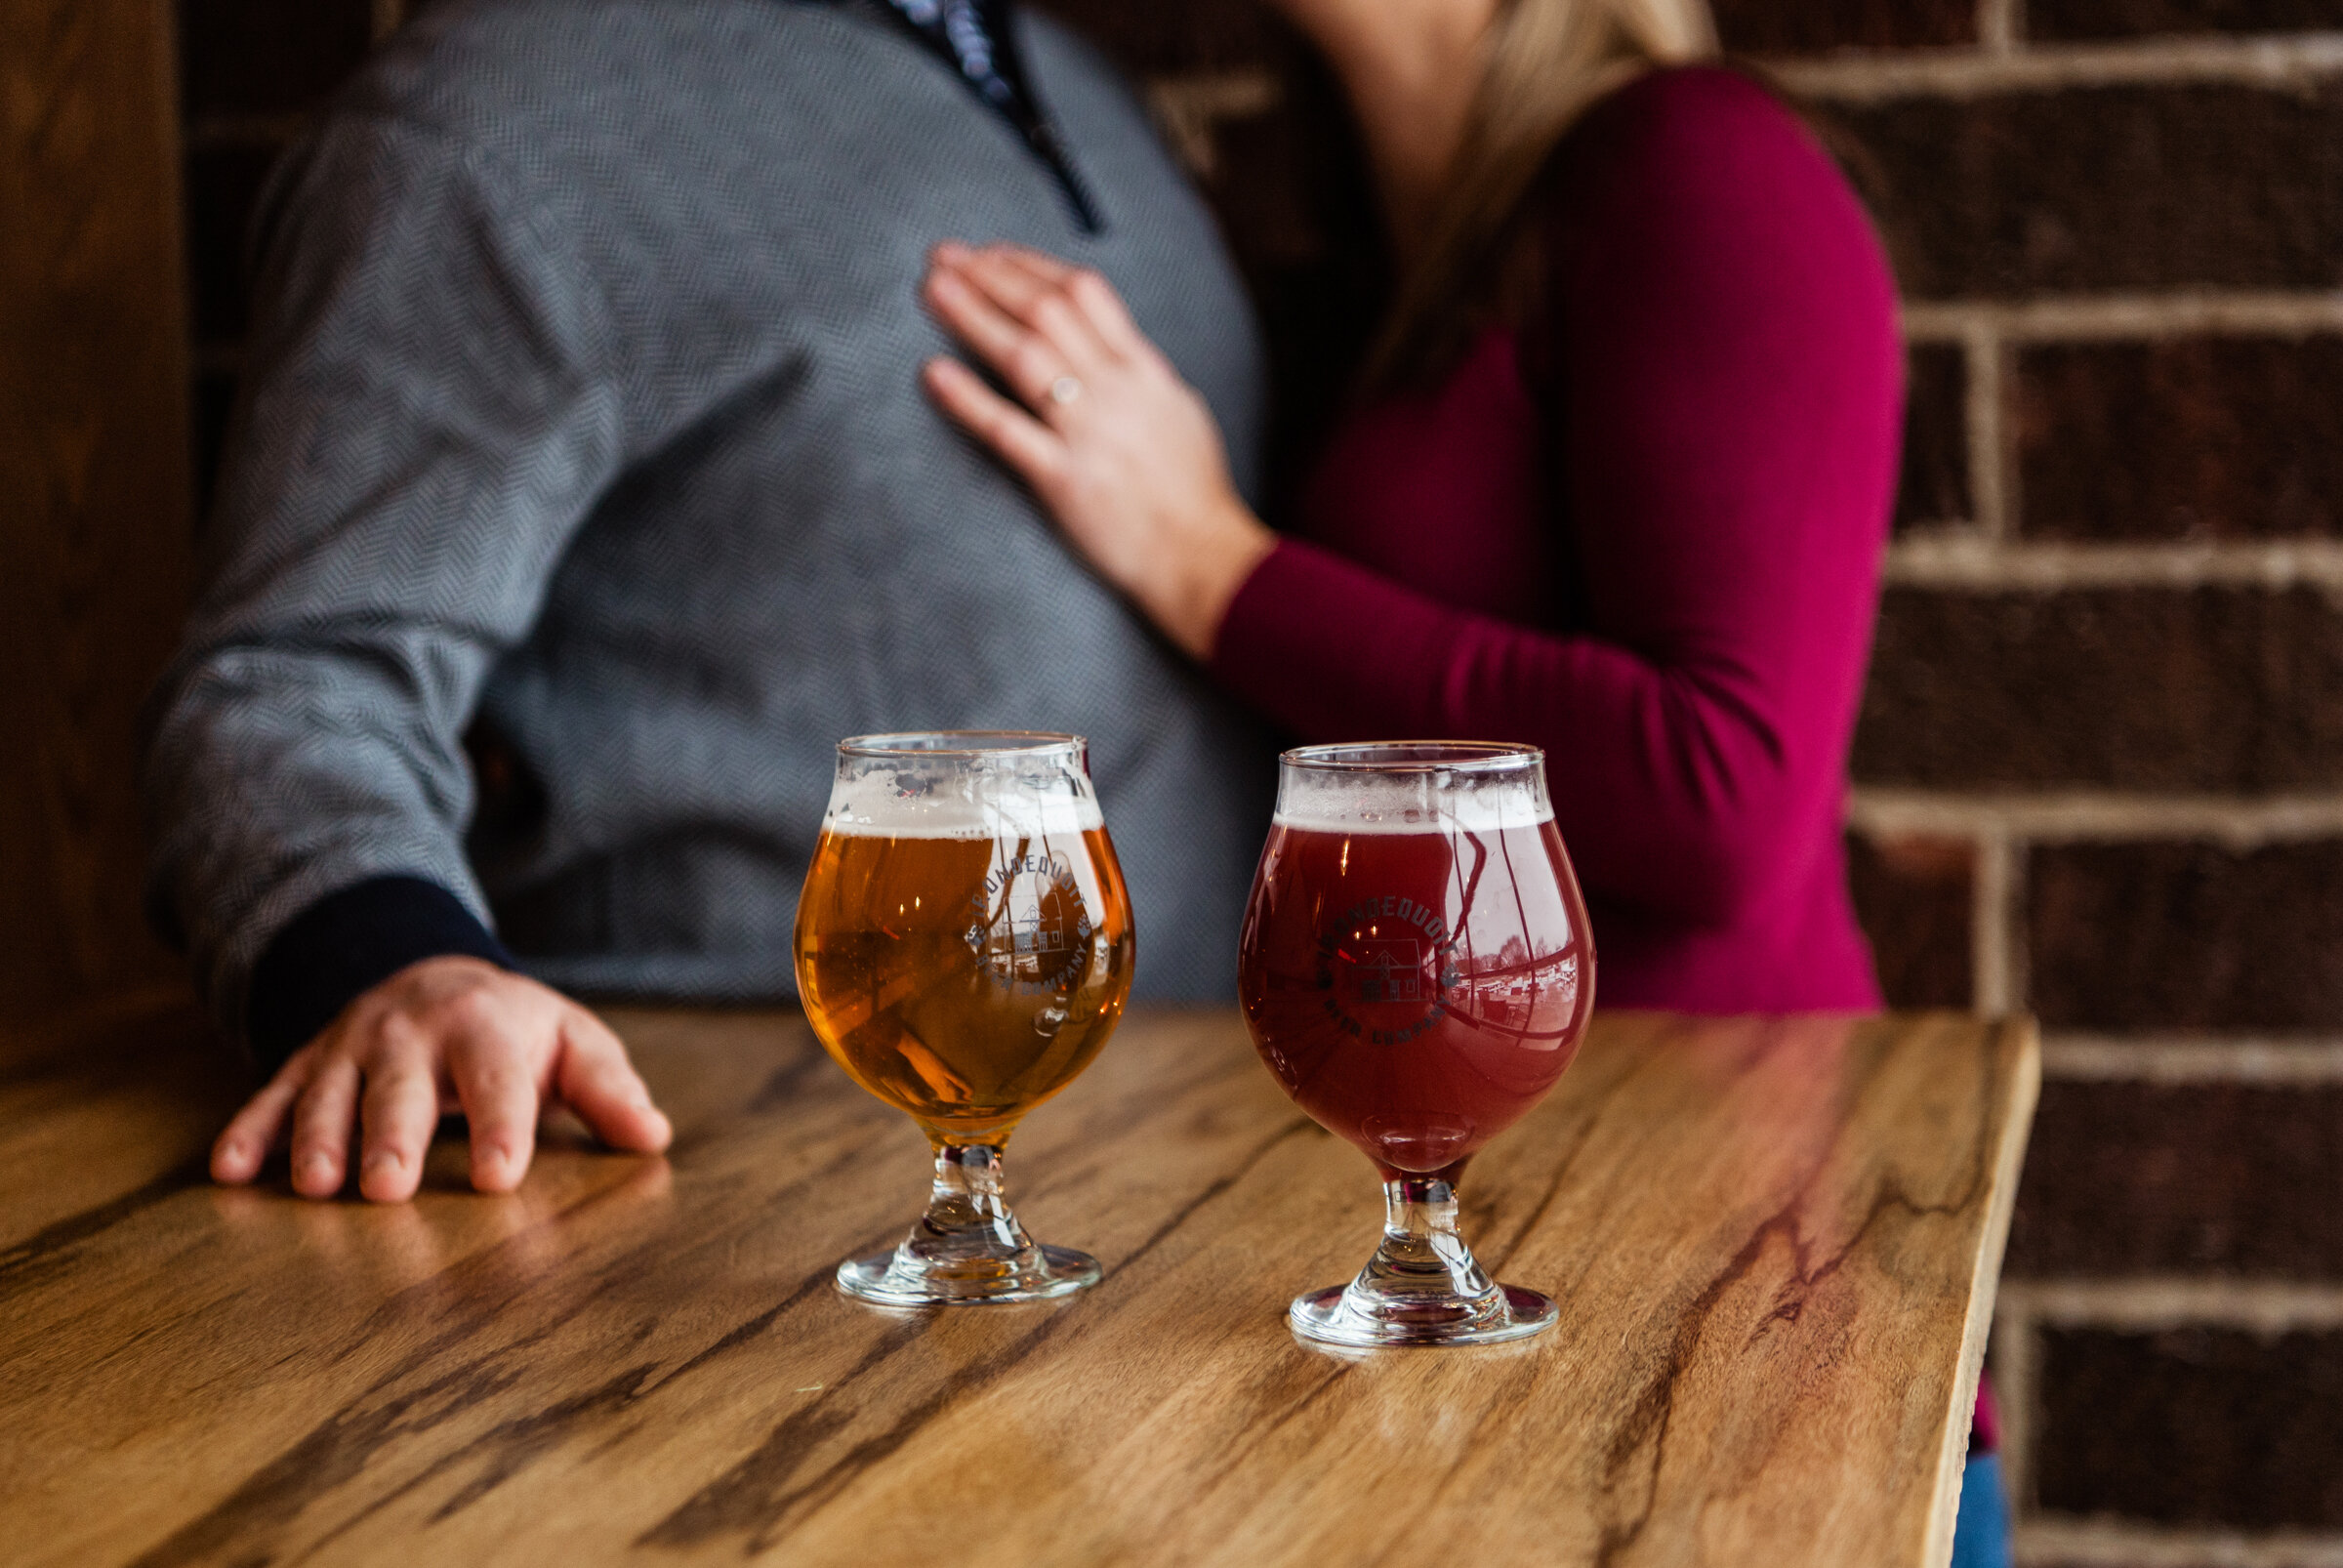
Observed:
{"x":1644,"y":533}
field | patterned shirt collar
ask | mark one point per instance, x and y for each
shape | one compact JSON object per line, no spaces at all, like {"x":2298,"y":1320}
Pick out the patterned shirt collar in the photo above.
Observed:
{"x":977,"y":38}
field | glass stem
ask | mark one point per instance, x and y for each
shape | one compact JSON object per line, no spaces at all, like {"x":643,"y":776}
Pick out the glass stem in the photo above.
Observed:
{"x":1423,"y":1266}
{"x":967,"y":1221}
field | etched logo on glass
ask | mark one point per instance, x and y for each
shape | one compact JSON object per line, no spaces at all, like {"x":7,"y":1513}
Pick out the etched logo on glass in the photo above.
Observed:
{"x":1386,"y":952}
{"x":1390,"y":971}
{"x":1029,"y":924}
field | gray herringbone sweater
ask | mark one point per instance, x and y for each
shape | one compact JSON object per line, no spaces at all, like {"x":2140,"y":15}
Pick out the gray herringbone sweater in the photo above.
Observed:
{"x":582,"y":416}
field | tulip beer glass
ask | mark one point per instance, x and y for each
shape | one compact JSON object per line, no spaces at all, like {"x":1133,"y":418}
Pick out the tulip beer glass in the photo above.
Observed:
{"x":1416,"y":972}
{"x":964,"y":949}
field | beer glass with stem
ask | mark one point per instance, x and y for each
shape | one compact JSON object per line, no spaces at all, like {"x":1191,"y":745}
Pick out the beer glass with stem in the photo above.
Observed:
{"x":1416,"y":972}
{"x":964,"y":949}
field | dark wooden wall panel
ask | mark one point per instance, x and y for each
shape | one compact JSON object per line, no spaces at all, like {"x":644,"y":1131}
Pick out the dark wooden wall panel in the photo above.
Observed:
{"x":94,"y":524}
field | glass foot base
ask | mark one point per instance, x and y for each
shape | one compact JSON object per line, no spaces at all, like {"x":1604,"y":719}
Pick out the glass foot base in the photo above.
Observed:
{"x":1340,"y":1315}
{"x":968,"y":1247}
{"x":1040,"y":1274}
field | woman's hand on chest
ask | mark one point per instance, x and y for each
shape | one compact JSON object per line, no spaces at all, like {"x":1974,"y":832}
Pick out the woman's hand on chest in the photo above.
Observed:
{"x":1121,"y":451}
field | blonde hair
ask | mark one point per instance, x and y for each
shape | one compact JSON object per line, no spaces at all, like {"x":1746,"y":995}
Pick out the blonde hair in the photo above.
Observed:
{"x":1546,"y":63}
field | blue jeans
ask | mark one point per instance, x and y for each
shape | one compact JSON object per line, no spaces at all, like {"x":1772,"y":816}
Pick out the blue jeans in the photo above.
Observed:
{"x":1981,"y":1534}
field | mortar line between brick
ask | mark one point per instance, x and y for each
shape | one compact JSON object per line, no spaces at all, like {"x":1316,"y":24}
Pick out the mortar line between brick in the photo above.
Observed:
{"x":1999,"y":24}
{"x":1993,"y":477}
{"x":1223,"y":90}
{"x":1964,"y":558}
{"x":2091,"y":1543}
{"x":2237,"y":822}
{"x":2014,"y":1379}
{"x":2178,"y":312}
{"x":1994,"y":939}
{"x":1188,"y":108}
{"x":2017,"y":930}
{"x":2193,"y":1059}
{"x":2143,"y":1304}
{"x":2280,"y":60}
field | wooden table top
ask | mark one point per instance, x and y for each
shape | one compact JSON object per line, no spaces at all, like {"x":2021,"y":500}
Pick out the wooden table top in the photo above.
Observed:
{"x":1774,"y":1243}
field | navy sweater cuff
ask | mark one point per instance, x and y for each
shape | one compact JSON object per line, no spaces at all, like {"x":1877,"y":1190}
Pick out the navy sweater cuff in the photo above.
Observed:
{"x":348,"y":943}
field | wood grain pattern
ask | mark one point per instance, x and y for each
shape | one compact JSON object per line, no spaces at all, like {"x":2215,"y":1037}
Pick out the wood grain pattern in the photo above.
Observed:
{"x":94,"y":535}
{"x":1774,"y":1242}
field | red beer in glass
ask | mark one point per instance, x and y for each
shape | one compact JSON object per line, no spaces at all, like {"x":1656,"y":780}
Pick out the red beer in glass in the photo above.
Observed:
{"x":1418,"y":972}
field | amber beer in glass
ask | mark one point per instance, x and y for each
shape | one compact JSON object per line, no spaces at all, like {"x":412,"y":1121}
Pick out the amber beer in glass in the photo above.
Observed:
{"x":964,"y":949}
{"x":1416,"y":972}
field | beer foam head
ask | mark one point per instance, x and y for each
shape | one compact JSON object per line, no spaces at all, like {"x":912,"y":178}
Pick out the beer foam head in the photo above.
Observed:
{"x":1413,"y":787}
{"x":932,"y":792}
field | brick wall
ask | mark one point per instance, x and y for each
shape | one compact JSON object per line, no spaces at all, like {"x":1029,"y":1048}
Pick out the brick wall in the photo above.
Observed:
{"x":2099,"y":773}
{"x":2103,"y":729}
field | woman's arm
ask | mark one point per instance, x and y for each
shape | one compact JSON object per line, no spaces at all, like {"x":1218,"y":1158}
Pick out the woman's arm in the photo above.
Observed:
{"x":1724,"y":373}
{"x":1723,"y":360}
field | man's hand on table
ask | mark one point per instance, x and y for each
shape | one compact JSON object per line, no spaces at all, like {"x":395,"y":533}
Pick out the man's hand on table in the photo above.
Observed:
{"x":442,"y":1035}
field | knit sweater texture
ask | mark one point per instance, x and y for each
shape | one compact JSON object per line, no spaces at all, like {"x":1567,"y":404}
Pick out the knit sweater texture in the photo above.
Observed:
{"x":583,"y":495}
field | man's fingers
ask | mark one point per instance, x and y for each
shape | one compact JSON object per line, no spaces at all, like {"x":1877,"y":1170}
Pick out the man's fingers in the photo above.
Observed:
{"x":321,"y":1122}
{"x":500,"y":1102}
{"x":1023,"y":442}
{"x":244,"y":1144}
{"x":400,"y":1111}
{"x":602,"y":1087}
